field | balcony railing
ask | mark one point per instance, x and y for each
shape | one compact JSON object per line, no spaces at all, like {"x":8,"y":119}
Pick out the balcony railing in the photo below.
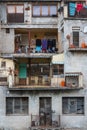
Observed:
{"x":26,"y":49}
{"x":82,"y":47}
{"x":53,"y":121}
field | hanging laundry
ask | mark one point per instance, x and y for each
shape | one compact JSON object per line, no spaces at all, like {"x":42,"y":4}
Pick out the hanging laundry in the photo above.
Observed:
{"x":44,"y":44}
{"x":49,"y":45}
{"x":72,"y":9}
{"x":79,"y":6}
{"x":38,"y":45}
{"x":53,"y":45}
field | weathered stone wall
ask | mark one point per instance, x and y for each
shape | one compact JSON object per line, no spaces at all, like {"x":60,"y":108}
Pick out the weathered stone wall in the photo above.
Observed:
{"x":6,"y":41}
{"x":75,"y":61}
{"x":22,"y":122}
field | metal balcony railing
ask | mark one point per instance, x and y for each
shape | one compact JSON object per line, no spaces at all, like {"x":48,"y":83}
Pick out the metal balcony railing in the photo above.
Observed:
{"x":45,"y":121}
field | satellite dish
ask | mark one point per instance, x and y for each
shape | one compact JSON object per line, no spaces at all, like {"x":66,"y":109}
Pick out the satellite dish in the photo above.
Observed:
{"x":85,"y":29}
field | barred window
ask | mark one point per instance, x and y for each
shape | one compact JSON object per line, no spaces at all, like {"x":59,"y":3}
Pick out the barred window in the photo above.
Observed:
{"x":73,"y":105}
{"x":17,"y":105}
{"x":58,"y":69}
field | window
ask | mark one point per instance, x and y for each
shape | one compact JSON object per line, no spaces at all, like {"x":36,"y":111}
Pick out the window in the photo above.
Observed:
{"x":16,"y":105}
{"x":15,"y":14}
{"x":76,"y":38}
{"x":73,"y":105}
{"x":3,"y":79}
{"x":7,"y":30}
{"x":44,"y":10}
{"x":36,"y":10}
{"x":3,"y":64}
{"x":58,"y":69}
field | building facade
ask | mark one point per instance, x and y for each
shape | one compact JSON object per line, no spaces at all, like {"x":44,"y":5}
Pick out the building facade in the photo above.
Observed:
{"x":43,"y":65}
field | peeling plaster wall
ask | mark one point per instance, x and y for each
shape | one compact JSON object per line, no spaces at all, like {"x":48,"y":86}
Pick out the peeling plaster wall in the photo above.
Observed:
{"x":23,"y":122}
{"x":75,"y":61}
{"x":6,"y":41}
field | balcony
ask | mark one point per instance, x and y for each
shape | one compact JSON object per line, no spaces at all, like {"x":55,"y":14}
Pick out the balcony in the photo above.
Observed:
{"x":45,"y":121}
{"x":74,"y":80}
{"x":33,"y":81}
{"x":82,"y":48}
{"x":35,"y":42}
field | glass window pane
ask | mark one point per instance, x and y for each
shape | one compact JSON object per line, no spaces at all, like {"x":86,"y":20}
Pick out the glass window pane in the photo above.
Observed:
{"x":11,"y":9}
{"x":19,"y":9}
{"x":36,"y":10}
{"x":65,"y":108}
{"x":17,"y":104}
{"x":24,"y":108}
{"x":80,"y":106}
{"x":44,"y":10}
{"x":73,"y":105}
{"x":9,"y":105}
{"x":53,"y":10}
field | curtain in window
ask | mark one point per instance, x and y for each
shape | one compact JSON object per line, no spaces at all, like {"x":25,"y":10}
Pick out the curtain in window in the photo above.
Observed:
{"x":19,"y":9}
{"x":11,"y":9}
{"x":45,"y":10}
{"x":53,"y":10}
{"x":36,"y":10}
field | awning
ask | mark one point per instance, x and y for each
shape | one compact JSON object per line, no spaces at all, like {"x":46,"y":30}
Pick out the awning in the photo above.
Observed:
{"x":58,"y":59}
{"x":73,"y":74}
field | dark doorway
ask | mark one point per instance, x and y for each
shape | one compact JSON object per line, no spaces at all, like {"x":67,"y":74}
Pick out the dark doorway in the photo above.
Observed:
{"x":45,"y":111}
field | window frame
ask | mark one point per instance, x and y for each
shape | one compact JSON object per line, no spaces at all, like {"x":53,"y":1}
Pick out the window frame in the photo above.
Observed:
{"x":68,"y":102}
{"x":59,"y":68}
{"x":3,"y":64}
{"x":75,"y":38}
{"x":42,"y":5}
{"x":20,"y":105}
{"x":15,"y":13}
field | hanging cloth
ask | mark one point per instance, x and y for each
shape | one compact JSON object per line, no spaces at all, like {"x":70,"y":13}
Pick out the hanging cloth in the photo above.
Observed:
{"x":72,"y":9}
{"x":44,"y":44}
{"x":79,"y":7}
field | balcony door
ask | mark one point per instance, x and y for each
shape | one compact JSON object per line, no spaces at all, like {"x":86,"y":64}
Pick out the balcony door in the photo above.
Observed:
{"x":45,"y":111}
{"x":22,"y":73}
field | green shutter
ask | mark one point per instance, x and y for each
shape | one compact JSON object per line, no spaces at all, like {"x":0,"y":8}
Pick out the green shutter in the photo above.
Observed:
{"x":22,"y":70}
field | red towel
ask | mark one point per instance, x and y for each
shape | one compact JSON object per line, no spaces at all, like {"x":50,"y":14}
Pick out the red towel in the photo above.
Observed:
{"x":79,"y":7}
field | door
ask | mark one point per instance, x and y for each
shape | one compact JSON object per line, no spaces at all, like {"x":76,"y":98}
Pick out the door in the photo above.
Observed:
{"x":22,"y":73}
{"x":45,"y":111}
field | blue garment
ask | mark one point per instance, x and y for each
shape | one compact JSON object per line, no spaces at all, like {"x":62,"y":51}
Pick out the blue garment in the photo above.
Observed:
{"x":44,"y":44}
{"x":38,"y":48}
{"x":85,"y":6}
{"x":72,"y":9}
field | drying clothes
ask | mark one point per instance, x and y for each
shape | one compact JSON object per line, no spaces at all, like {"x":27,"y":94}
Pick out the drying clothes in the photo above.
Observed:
{"x":38,"y":42}
{"x":44,"y":44}
{"x":49,"y":45}
{"x":79,"y":7}
{"x":53,"y":45}
{"x":38,"y":48}
{"x":85,"y":6}
{"x":72,"y":9}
